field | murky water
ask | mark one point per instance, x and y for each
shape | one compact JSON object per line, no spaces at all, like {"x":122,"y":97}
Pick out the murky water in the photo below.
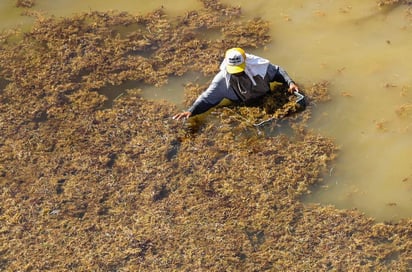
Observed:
{"x":361,"y":49}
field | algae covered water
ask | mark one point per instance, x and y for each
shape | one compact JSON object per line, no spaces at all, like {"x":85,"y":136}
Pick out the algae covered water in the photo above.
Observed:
{"x":95,"y":175}
{"x":361,"y":49}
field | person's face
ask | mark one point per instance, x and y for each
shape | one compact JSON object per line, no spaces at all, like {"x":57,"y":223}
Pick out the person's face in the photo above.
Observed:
{"x":239,"y":74}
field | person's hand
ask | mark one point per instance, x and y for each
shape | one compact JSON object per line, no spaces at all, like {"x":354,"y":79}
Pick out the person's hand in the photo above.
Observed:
{"x":185,"y":115}
{"x":293,"y":88}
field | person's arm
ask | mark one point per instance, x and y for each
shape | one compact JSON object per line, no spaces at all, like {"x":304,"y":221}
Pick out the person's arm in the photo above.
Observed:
{"x":208,"y":99}
{"x":278,"y":74}
{"x":212,"y":96}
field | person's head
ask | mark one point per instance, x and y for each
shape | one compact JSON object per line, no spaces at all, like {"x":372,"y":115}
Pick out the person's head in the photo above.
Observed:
{"x":235,"y":60}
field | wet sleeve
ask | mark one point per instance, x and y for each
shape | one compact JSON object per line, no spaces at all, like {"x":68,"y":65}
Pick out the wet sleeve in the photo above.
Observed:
{"x":278,"y":74}
{"x":211,"y":96}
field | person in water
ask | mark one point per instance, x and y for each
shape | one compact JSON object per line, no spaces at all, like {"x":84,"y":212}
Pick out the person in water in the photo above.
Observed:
{"x":242,"y":77}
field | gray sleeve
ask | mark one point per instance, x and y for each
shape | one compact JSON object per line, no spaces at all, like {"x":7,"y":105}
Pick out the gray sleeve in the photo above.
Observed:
{"x":278,"y":74}
{"x":212,"y":96}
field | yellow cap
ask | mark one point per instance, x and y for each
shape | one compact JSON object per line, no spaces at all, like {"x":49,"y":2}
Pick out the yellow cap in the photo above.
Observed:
{"x":235,"y":60}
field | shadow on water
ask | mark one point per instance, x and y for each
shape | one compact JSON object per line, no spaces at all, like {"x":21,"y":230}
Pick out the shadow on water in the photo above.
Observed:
{"x":173,"y":149}
{"x":40,"y":116}
{"x":3,"y":84}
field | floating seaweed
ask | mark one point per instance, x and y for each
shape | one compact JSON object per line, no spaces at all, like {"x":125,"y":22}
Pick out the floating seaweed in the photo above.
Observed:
{"x":25,"y":3}
{"x":124,"y":188}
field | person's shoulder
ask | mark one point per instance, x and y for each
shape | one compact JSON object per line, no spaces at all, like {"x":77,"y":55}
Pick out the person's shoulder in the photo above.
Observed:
{"x":220,"y":75}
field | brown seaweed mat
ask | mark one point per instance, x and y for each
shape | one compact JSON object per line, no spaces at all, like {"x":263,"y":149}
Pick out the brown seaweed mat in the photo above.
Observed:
{"x":126,"y":188}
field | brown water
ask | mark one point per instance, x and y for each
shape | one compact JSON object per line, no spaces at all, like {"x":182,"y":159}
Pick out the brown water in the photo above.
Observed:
{"x":361,"y":49}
